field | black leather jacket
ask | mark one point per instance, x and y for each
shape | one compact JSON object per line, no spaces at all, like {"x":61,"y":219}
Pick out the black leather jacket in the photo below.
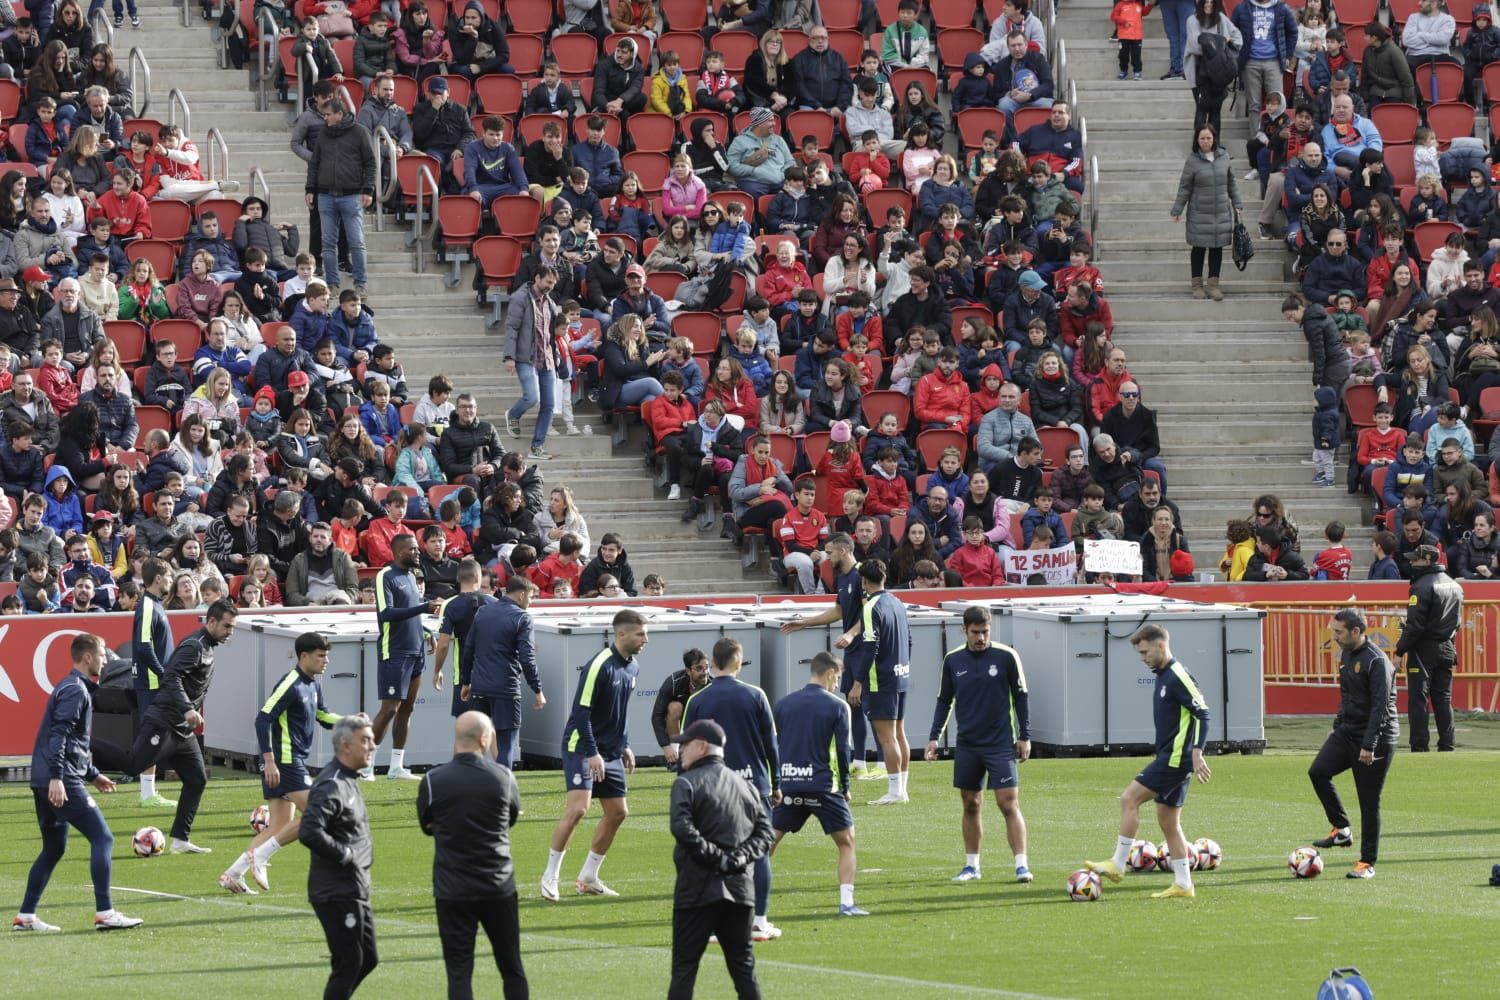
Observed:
{"x":716,"y":815}
{"x":336,"y":832}
{"x":1367,"y":698}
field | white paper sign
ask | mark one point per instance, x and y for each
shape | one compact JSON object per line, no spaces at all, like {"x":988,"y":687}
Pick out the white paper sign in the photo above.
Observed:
{"x":1058,"y":565}
{"x":1112,"y":555}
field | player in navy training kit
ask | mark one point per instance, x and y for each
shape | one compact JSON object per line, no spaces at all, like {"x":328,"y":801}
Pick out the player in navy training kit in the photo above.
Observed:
{"x":455,"y":620}
{"x":857,"y":653}
{"x":984,"y":684}
{"x":814,"y":745}
{"x":881,"y":687}
{"x":402,"y":652}
{"x":1181,"y":731}
{"x":744,"y":713}
{"x":596,"y":754}
{"x":499,"y":659}
{"x":150,"y":649}
{"x":285,"y":728}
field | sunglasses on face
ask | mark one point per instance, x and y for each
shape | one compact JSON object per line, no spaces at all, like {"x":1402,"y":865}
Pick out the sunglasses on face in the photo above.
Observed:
{"x":1130,"y":395}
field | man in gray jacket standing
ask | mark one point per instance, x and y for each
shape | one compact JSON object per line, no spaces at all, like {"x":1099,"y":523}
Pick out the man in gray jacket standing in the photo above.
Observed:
{"x":529,"y":355}
{"x":341,"y":184}
{"x":721,"y":829}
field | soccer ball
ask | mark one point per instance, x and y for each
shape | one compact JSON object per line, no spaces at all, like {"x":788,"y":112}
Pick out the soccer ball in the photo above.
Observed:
{"x":1195,"y":859}
{"x":1163,"y":857}
{"x":148,"y":842}
{"x":1209,"y":854}
{"x":1083,"y":886}
{"x":1305,"y":862}
{"x":260,"y":817}
{"x":1142,"y":856}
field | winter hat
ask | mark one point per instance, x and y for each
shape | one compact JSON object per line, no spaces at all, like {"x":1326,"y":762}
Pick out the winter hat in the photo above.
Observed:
{"x":840,"y":433}
{"x":267,"y":393}
{"x":1031,"y":279}
{"x":1480,"y":10}
{"x":1181,"y":563}
{"x":761,"y":116}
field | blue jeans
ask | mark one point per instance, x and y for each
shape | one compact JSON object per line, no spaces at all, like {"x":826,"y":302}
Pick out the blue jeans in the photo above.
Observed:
{"x":81,"y":812}
{"x":534,"y":390}
{"x":637,"y":390}
{"x":344,"y":211}
{"x":1174,"y":17}
{"x":1010,"y":107}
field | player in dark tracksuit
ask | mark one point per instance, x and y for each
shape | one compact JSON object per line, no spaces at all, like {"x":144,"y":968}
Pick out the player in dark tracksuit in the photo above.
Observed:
{"x":454,"y":623}
{"x":744,"y":713}
{"x":881,"y":689}
{"x":1433,"y":616}
{"x":1365,"y":733}
{"x":596,"y":753}
{"x":813,"y":742}
{"x":497,"y":658}
{"x":983,"y":683}
{"x":150,"y":649}
{"x":1181,"y":717}
{"x":402,"y":651}
{"x":671,"y":699}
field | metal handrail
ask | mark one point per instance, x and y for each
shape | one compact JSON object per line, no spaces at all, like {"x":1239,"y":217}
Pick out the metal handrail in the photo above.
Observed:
{"x":417,"y":236}
{"x":267,"y":32}
{"x":101,"y":29}
{"x":306,"y":77}
{"x":138,"y":58}
{"x":347,"y":99}
{"x":175,"y":99}
{"x":1073,"y":96}
{"x":1094,"y":207}
{"x":1060,"y":71}
{"x":215,"y":141}
{"x":385,"y":183}
{"x":184,"y":7}
{"x":259,"y":186}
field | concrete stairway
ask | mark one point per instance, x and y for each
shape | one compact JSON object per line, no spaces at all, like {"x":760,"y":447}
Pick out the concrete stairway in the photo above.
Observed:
{"x":1229,"y":380}
{"x":434,"y":329}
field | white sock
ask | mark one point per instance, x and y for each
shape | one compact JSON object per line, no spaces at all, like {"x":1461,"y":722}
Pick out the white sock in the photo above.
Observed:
{"x":856,"y":765}
{"x":1122,"y":851}
{"x":265,"y":851}
{"x":1180,"y":872}
{"x":972,"y":861}
{"x":241,"y":865}
{"x":102,"y":913}
{"x":554,"y":864}
{"x":846,"y":894}
{"x":761,"y":920}
{"x":591,"y":866}
{"x":148,"y":785}
{"x":1343,"y":831}
{"x":903,"y":776}
{"x":26,"y":918}
{"x":1021,"y":860}
{"x":398,"y":757}
{"x":893,"y":784}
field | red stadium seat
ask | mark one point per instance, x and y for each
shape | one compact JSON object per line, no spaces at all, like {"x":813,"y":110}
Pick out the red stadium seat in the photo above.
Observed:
{"x":182,"y":332}
{"x":529,"y":18}
{"x":881,"y":401}
{"x":736,"y":47}
{"x":689,"y":48}
{"x":499,"y":93}
{"x":498,"y":258}
{"x":651,"y":168}
{"x":1451,"y":120}
{"x":930,"y":445}
{"x":171,"y":219}
{"x":703,"y":329}
{"x":819,"y":124}
{"x":515,"y":217}
{"x":526,"y":55}
{"x":575,"y":53}
{"x":1449,"y":82}
{"x":1396,"y":122}
{"x":460,"y":217}
{"x":161,"y":254}
{"x":652,"y":132}
{"x":684,"y":16}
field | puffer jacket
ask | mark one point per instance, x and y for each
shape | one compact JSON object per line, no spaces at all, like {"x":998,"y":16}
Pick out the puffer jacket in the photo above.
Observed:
{"x":1055,"y":401}
{"x":1207,"y":190}
{"x":343,"y":161}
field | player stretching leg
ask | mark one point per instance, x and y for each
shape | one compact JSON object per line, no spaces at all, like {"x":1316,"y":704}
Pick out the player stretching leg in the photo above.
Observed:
{"x":1181,"y":723}
{"x":596,"y":754}
{"x":985,"y":682}
{"x":398,"y":610}
{"x":881,"y":690}
{"x":284,"y":730}
{"x":814,"y":740}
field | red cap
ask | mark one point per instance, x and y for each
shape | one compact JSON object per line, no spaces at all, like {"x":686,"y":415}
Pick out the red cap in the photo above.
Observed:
{"x":295,"y":380}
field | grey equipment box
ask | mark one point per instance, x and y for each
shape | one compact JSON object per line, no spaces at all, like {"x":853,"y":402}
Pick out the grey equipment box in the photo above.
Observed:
{"x":568,"y":638}
{"x":1090,"y":693}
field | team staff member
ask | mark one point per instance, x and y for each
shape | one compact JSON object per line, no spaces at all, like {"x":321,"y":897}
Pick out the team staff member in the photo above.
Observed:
{"x":596,"y":754}
{"x":1363,"y":739}
{"x":336,"y":831}
{"x":499,"y":655}
{"x":721,"y":828}
{"x":455,"y":621}
{"x":467,"y":806}
{"x":984,"y":683}
{"x":857,"y":653}
{"x":744,"y":713}
{"x":666,"y":713}
{"x":1181,"y":717}
{"x":284,"y":730}
{"x":166,"y":735}
{"x":60,"y":765}
{"x":1433,"y":614}
{"x":398,"y":610}
{"x":150,"y":648}
{"x":881,"y":689}
{"x":813,"y":728}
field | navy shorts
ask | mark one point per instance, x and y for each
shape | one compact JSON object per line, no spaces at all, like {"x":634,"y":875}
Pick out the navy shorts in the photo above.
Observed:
{"x":884,"y":705}
{"x":576,"y":775}
{"x":1169,"y":783}
{"x":293,"y":779}
{"x":396,"y":674}
{"x":831,"y":809}
{"x":971,"y":765}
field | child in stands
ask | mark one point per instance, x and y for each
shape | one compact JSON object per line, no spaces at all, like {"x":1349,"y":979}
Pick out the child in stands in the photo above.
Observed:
{"x":1333,"y":562}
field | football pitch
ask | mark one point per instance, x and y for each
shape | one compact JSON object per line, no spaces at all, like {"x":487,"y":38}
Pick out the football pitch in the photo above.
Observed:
{"x":1424,"y":926}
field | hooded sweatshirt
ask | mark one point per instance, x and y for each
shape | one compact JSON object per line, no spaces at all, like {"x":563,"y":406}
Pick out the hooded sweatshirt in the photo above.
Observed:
{"x":63,"y":514}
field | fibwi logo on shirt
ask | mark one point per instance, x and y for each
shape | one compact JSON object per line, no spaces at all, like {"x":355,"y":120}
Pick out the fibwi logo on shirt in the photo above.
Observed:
{"x":994,"y":670}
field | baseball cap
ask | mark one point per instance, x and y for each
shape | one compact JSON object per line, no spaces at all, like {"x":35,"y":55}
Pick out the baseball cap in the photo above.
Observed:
{"x":1032,"y":280}
{"x":297,"y":379}
{"x":635,"y":269}
{"x":437,"y":84}
{"x":706,"y":730}
{"x":35,"y":273}
{"x":1427,"y":553}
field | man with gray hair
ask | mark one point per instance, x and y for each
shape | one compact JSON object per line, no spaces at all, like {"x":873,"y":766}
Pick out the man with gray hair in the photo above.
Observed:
{"x":282,"y":534}
{"x":72,"y":324}
{"x":336,"y":830}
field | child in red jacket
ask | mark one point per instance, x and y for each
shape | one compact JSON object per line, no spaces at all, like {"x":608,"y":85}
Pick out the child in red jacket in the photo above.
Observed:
{"x":55,"y":381}
{"x":1129,"y":17}
{"x":974,"y":560}
{"x":670,"y":415}
{"x":887,"y":493}
{"x":840,"y":466}
{"x":128,"y":214}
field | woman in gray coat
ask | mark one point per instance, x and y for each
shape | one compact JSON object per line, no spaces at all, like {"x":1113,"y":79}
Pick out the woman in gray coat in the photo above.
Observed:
{"x":1208,"y":191}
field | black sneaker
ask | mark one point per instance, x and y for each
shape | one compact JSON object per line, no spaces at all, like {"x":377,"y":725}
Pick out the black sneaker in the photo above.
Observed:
{"x":135,"y":20}
{"x":1265,"y":232}
{"x":1334,"y":839}
{"x":1495,"y":875}
{"x":119,"y":20}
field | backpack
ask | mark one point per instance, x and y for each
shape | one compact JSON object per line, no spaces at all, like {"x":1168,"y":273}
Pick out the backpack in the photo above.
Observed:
{"x":1217,"y":67}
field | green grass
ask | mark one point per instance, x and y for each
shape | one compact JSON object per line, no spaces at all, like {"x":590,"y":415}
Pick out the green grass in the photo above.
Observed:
{"x":1422,"y":927}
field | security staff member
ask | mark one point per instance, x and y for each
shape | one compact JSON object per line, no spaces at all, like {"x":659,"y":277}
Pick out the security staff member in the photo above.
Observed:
{"x":1434,"y":611}
{"x":671,"y":698}
{"x":150,"y":649}
{"x":721,"y":828}
{"x":1363,"y":739}
{"x":498,"y":656}
{"x":454,"y":622}
{"x":336,"y":832}
{"x":468,"y":806}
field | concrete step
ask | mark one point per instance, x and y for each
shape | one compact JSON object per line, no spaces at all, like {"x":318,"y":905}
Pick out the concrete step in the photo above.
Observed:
{"x":1133,"y":268}
{"x":1137,"y":308}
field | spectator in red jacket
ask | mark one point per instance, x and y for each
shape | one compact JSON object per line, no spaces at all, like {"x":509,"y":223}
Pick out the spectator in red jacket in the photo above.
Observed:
{"x":1081,"y":307}
{"x":942,"y":398}
{"x":886,"y":491}
{"x":1380,"y":445}
{"x":1104,"y":393}
{"x":376,"y":540}
{"x":840,"y":465}
{"x":128,"y":214}
{"x":804,"y":531}
{"x":564,"y":565}
{"x":974,"y":560}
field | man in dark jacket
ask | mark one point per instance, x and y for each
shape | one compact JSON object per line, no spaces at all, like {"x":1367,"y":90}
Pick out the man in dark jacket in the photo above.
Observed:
{"x":1029,"y":301}
{"x":721,"y":828}
{"x":923,"y":306}
{"x":944,"y":526}
{"x":282,"y":533}
{"x":497,"y":657}
{"x":280,"y":360}
{"x":610,"y":559}
{"x":618,"y":82}
{"x":19,"y":329}
{"x":441,"y":128}
{"x":341,"y":183}
{"x":467,"y":806}
{"x":1363,"y":739}
{"x":470,"y":447}
{"x":1433,"y":615}
{"x":1332,"y":270}
{"x":1273,"y":560}
{"x":116,"y":412}
{"x":336,"y":829}
{"x":1023,"y":78}
{"x":823,"y":78}
{"x":1133,"y":426}
{"x":1139,"y":509}
{"x":27,"y":404}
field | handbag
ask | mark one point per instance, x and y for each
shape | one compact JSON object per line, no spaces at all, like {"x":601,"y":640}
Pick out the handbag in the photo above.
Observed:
{"x":335,"y":21}
{"x":1244,"y":246}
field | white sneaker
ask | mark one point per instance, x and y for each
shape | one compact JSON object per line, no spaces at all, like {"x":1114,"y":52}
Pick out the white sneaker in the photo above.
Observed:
{"x":367,"y":773}
{"x":36,"y":925}
{"x":675,"y":493}
{"x":890,"y":799}
{"x":114,"y":920}
{"x":765,"y":932}
{"x":593,"y":887}
{"x":401,"y":774}
{"x":235,"y":884}
{"x":187,"y":847}
{"x":512,"y":426}
{"x":549,"y":890}
{"x":258,"y":872}
{"x":573,"y":431}
{"x":1252,"y":175}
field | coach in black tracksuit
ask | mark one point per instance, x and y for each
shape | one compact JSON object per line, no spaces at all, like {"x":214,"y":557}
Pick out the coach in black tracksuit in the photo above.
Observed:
{"x":1364,"y":737}
{"x":1433,"y":614}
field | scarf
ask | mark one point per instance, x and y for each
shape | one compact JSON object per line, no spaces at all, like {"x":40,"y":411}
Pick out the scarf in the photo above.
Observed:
{"x":710,"y":435}
{"x":757,"y":473}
